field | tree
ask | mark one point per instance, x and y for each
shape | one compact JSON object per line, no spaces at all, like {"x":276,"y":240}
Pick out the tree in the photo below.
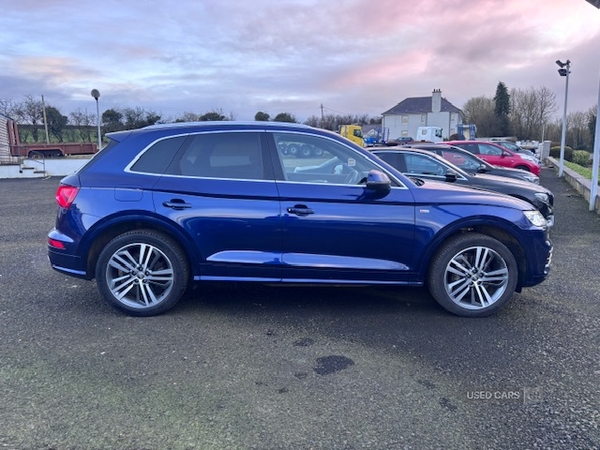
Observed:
{"x":188,"y":117}
{"x":112,"y":120}
{"x":7,"y":107}
{"x":83,"y":121}
{"x":531,"y":110}
{"x":262,"y":116}
{"x":56,"y":122}
{"x":30,"y":111}
{"x":592,"y":117}
{"x":139,"y":118}
{"x":502,"y":110}
{"x":285,"y":117}
{"x":480,"y":111}
{"x":215,"y":115}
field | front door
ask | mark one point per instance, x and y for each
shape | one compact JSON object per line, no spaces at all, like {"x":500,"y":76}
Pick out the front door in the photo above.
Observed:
{"x":332,"y":229}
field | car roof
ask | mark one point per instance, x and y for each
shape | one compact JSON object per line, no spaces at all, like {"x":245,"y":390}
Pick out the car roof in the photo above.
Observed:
{"x":219,"y":125}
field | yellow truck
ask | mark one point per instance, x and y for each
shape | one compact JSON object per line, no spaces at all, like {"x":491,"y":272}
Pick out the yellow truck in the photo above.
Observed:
{"x":354,"y":133}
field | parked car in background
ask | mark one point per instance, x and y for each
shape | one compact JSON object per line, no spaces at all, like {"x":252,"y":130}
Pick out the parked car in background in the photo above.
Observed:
{"x":427,"y":165}
{"x":399,"y":141}
{"x":471,"y":163}
{"x":509,"y":145}
{"x":498,"y":156}
{"x":167,"y":205}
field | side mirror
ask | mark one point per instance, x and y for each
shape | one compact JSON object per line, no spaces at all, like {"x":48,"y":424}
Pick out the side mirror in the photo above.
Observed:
{"x":378,"y":182}
{"x":482,"y":169}
{"x":451,"y":176}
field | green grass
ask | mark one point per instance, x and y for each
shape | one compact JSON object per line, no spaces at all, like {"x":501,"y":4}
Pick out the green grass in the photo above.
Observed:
{"x":583,"y":171}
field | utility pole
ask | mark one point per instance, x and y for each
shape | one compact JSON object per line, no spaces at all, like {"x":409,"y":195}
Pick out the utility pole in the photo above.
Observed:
{"x":45,"y":120}
{"x":322,"y":117}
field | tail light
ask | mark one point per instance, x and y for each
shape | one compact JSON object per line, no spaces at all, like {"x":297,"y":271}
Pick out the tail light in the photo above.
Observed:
{"x":65,"y":195}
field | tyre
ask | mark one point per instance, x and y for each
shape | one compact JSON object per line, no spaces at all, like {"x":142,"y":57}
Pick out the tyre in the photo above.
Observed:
{"x":525,"y":168}
{"x":142,"y":272}
{"x":472,"y":275}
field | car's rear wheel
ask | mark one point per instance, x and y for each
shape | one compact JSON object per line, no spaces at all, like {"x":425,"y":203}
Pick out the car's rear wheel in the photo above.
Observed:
{"x":142,"y":273}
{"x":473,"y":275}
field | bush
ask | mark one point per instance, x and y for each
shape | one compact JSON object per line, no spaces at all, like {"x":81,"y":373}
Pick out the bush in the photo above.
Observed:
{"x":555,"y":152}
{"x":581,"y":157}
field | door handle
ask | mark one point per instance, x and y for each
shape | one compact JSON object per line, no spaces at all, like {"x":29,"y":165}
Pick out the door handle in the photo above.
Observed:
{"x":300,"y":210}
{"x":177,"y":204}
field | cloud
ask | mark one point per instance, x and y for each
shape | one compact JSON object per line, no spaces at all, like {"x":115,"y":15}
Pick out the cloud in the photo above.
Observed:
{"x":353,"y":56}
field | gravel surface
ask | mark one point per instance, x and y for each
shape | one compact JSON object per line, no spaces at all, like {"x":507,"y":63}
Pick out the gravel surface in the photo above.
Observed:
{"x":261,"y":367}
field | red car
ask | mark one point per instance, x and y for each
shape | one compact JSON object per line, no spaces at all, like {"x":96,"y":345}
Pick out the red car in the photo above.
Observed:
{"x":499,"y":156}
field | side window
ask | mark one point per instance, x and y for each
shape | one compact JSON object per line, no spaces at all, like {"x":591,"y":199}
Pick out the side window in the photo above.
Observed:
{"x":420,"y":164}
{"x":222,"y":155}
{"x":391,"y":158}
{"x":471,"y":148}
{"x":158,"y":157}
{"x":314,"y":159}
{"x":461,"y":160}
{"x":486,"y":149}
{"x":454,"y":158}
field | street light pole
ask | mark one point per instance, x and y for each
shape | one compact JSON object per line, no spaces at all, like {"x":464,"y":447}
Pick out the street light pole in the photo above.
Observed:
{"x":596,"y":157}
{"x":96,"y":95}
{"x":564,"y":71}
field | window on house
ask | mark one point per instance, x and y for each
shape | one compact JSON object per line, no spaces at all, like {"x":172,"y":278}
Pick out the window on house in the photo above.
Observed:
{"x":405,"y":120}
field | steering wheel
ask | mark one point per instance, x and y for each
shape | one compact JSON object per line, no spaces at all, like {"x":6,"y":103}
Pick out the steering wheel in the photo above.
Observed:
{"x":353,"y":177}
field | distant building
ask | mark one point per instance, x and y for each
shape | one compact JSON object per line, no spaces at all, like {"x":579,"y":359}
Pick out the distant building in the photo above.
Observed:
{"x":414,"y":112}
{"x":4,"y":142}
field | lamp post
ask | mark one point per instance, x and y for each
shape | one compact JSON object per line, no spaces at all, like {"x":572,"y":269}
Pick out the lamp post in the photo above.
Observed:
{"x":596,"y":157}
{"x":96,"y":95}
{"x":564,"y":71}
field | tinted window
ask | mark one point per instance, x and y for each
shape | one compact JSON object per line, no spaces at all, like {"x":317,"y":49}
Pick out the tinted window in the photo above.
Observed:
{"x":421,"y":164}
{"x":486,"y":149}
{"x":313,"y":159}
{"x":392,"y":159}
{"x":222,"y":155}
{"x":469,"y":147}
{"x":158,"y":157}
{"x":461,"y":160}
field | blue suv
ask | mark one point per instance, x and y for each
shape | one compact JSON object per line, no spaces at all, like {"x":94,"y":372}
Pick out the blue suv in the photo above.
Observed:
{"x":165,"y":206}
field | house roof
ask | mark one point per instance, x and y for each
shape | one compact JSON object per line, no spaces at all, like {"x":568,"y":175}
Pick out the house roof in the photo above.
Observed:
{"x":420,"y":105}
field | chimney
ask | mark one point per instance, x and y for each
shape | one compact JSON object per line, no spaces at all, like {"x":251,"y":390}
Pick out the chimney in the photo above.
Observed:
{"x":436,"y":101}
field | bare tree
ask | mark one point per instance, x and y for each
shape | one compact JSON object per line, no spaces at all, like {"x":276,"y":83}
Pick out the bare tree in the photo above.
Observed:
{"x":531,"y":109}
{"x":83,"y":121}
{"x":7,"y":107}
{"x":480,"y":111}
{"x":578,"y":133}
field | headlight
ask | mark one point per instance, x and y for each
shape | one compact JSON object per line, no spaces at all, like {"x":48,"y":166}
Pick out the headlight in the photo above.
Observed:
{"x":528,"y":158}
{"x":532,"y":178}
{"x":542,"y":196}
{"x":536,"y":218}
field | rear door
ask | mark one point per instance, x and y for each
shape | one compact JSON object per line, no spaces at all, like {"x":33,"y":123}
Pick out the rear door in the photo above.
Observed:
{"x":220,"y":190}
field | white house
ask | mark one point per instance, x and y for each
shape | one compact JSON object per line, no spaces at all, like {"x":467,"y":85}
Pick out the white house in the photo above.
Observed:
{"x":4,"y":142}
{"x":411,"y":113}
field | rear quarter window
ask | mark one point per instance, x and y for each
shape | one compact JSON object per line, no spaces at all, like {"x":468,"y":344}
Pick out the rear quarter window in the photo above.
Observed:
{"x":157,"y":157}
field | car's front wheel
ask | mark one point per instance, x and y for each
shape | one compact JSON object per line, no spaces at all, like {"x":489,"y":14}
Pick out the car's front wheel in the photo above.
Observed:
{"x":142,"y":272}
{"x":525,"y":168}
{"x":473,"y":275}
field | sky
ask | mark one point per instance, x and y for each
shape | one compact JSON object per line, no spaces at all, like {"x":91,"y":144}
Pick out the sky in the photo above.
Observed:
{"x":241,"y":57}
